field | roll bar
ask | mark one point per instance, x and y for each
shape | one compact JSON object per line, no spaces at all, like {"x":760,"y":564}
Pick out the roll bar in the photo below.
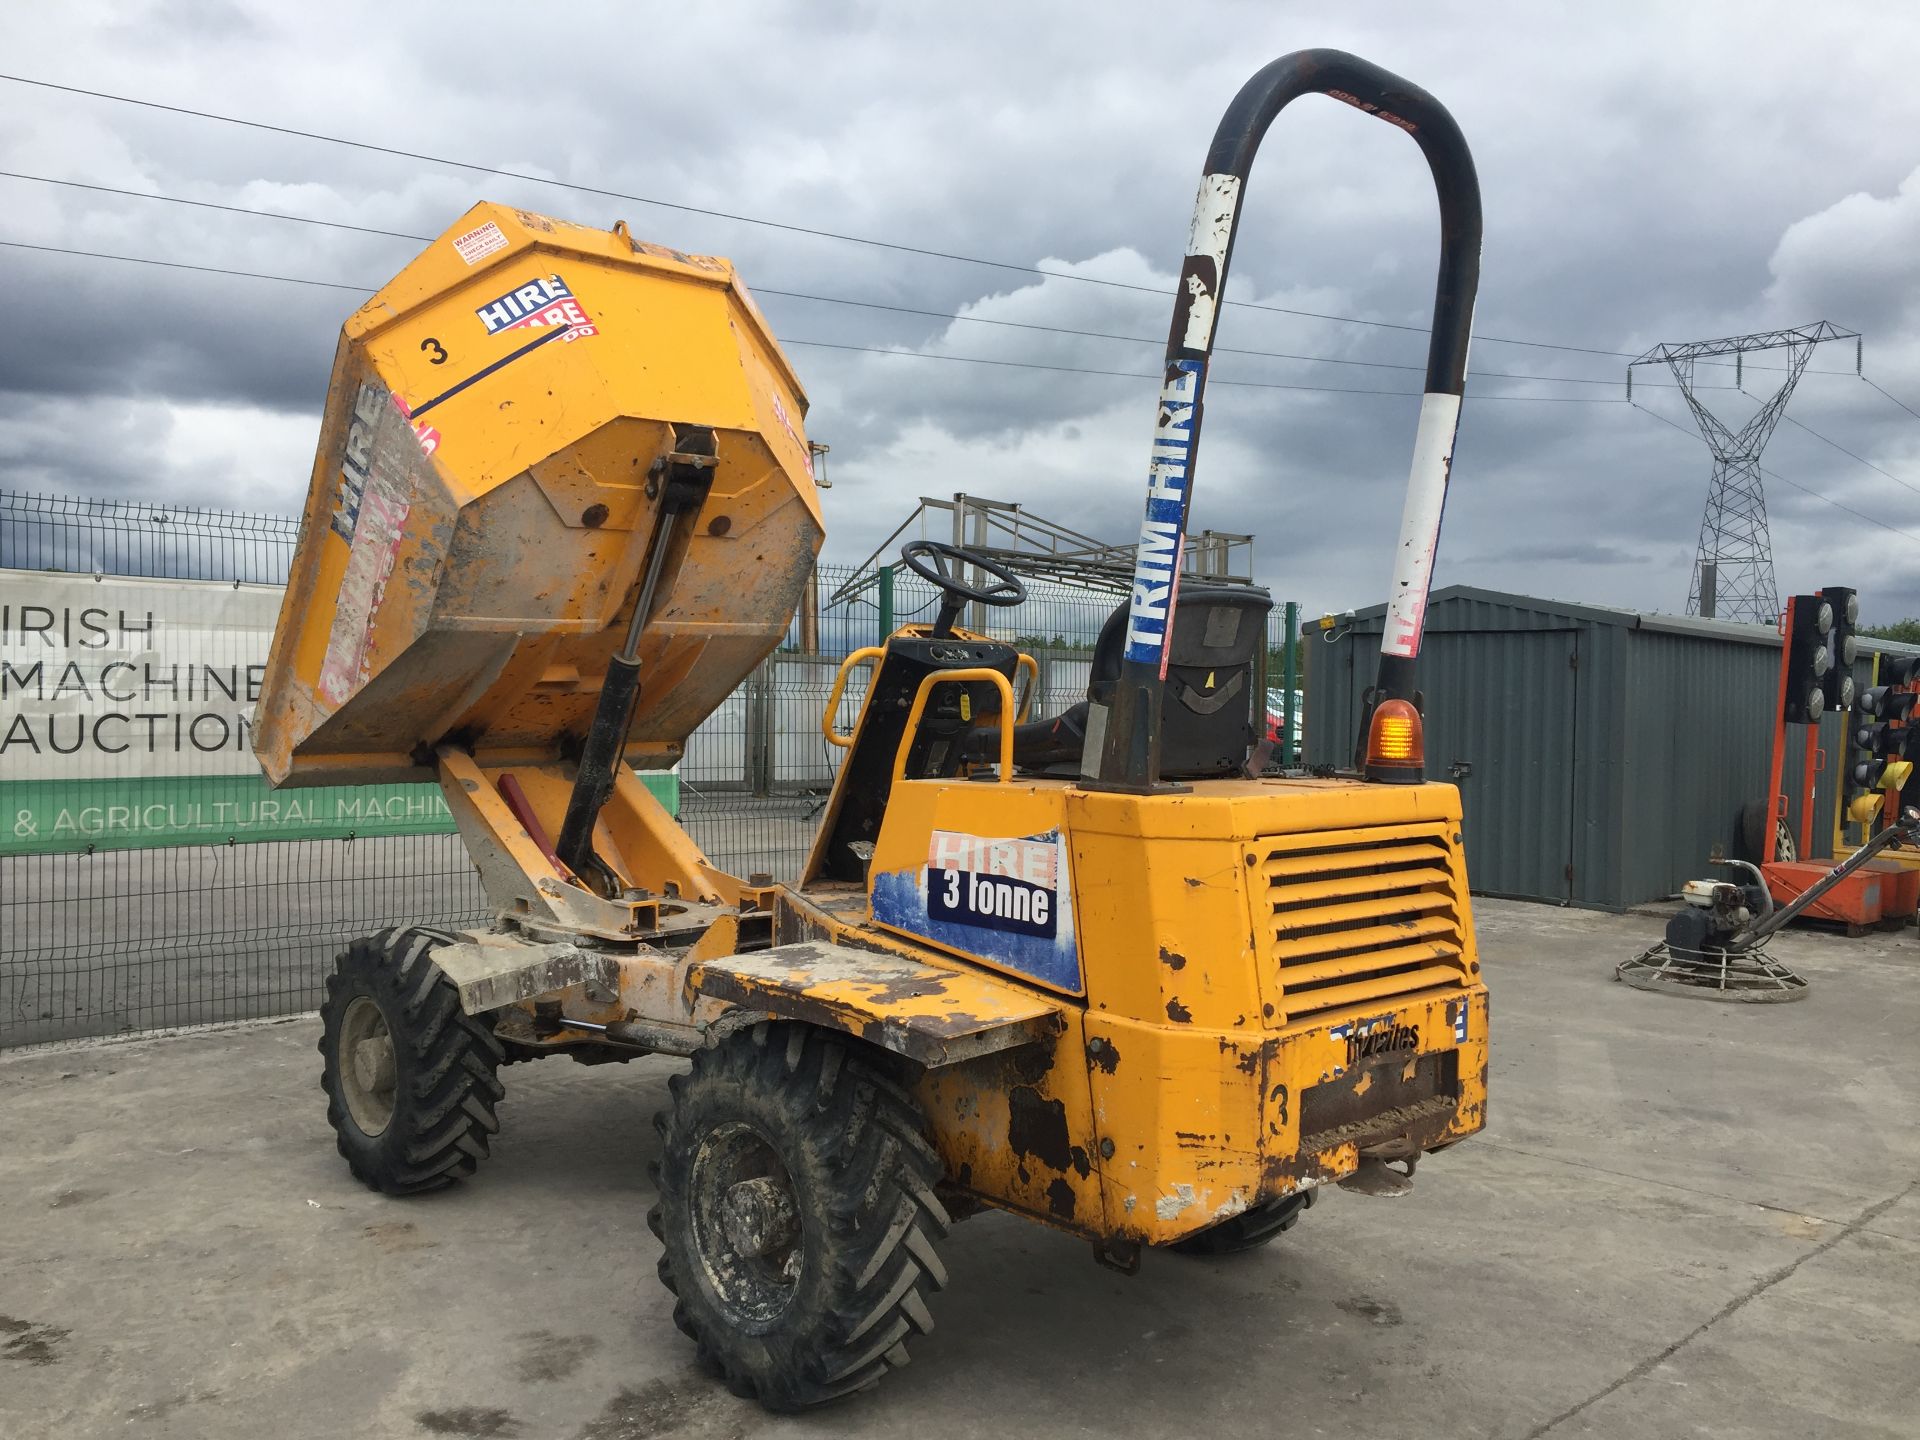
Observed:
{"x":1130,"y":746}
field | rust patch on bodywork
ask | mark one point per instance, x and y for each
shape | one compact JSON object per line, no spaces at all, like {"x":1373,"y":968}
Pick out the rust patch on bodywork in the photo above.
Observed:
{"x":1038,"y":1128}
{"x":1060,"y":1198}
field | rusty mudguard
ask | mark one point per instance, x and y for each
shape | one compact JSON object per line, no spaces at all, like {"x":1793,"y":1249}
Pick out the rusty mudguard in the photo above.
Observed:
{"x":931,"y":1014}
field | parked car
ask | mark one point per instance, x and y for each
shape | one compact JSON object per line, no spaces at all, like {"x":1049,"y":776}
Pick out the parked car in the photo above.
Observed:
{"x":1277,"y":712}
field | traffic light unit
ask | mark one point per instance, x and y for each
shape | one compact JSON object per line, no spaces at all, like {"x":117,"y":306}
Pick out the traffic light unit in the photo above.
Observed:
{"x":1836,"y":685}
{"x":1884,"y":743}
{"x":1809,"y":625}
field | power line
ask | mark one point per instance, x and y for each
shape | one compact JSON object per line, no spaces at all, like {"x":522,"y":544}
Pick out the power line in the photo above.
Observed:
{"x":1850,"y":455}
{"x":826,"y":299}
{"x":183,"y":265}
{"x":1212,"y":380}
{"x":214,"y":205}
{"x":810,"y":344}
{"x":819,"y":234}
{"x":1896,"y":400}
{"x":1776,"y":475}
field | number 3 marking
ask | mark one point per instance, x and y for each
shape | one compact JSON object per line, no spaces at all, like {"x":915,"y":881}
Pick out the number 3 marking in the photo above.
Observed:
{"x":953,"y":888}
{"x":439,"y":351}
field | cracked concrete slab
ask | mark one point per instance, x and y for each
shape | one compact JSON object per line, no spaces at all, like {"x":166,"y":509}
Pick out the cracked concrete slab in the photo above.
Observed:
{"x":1660,"y":1234}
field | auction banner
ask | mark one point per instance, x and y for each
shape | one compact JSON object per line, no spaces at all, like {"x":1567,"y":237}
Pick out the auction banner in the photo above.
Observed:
{"x":126,"y":710}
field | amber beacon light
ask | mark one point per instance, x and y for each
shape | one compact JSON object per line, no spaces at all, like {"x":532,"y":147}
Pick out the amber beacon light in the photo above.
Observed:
{"x":1396,"y":744}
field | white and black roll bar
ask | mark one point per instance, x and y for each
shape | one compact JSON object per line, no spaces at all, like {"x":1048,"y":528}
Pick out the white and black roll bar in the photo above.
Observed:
{"x":1130,"y":747}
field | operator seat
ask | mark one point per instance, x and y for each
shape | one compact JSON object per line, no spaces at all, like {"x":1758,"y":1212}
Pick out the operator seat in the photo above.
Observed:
{"x":1212,"y":708}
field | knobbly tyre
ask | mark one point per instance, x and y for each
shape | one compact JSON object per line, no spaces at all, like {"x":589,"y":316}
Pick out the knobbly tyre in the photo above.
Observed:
{"x":1084,"y":969}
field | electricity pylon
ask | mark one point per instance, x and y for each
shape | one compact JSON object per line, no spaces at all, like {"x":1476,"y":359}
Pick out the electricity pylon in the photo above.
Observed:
{"x":1733,"y":569}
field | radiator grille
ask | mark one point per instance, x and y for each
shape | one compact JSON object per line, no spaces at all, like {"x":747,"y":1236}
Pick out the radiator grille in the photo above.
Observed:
{"x":1355,"y":916}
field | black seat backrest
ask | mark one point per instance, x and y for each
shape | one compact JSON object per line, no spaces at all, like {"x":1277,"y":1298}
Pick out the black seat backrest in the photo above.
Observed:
{"x":866,"y":779}
{"x":1214,"y":707}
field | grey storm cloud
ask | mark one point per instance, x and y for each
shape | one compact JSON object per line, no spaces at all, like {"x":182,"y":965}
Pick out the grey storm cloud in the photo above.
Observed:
{"x":1650,"y":173}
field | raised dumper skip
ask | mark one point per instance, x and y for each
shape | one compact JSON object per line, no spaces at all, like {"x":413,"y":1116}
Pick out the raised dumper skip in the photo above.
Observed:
{"x":1127,"y":987}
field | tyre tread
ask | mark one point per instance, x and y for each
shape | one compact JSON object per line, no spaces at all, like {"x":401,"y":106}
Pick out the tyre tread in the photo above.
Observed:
{"x":446,"y":1106}
{"x":881,"y":1221}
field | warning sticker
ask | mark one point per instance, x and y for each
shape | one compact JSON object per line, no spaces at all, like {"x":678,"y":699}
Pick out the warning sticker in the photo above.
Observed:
{"x":477,"y":244}
{"x":537,"y":305}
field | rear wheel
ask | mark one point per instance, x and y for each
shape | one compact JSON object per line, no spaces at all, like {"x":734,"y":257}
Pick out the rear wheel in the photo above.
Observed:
{"x":1250,"y":1229}
{"x":797,"y":1216}
{"x":409,"y":1076}
{"x":1753,"y":835}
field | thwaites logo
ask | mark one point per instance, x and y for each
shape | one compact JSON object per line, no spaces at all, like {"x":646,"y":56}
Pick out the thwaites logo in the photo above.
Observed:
{"x":1380,"y":1040}
{"x":538,"y":305}
{"x":1009,"y":885}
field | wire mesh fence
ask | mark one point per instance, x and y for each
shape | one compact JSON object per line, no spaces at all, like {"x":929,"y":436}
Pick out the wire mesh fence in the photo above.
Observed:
{"x":85,"y":536}
{"x":114,"y":941}
{"x":97,"y":938}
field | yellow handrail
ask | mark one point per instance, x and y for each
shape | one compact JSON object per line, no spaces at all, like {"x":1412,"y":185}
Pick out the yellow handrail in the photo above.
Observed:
{"x":942,"y":677}
{"x":1027,"y":662}
{"x":868,"y":652}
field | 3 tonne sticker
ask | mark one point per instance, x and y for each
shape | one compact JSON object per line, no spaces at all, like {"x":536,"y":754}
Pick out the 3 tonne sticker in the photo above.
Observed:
{"x":1004,"y":899}
{"x":1009,"y":885}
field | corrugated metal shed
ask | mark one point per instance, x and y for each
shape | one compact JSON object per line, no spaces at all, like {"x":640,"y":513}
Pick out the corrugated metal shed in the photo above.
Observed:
{"x":1601,"y":754}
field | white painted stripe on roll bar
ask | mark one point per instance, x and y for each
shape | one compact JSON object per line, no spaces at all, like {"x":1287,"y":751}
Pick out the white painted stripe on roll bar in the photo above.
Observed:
{"x":1207,"y":238}
{"x":1420,"y":524}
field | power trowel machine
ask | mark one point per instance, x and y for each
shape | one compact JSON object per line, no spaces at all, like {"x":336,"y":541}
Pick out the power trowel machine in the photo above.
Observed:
{"x":1085,"y":969}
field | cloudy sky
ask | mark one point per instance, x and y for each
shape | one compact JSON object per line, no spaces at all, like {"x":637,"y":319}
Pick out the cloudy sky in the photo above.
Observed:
{"x":1650,"y":173}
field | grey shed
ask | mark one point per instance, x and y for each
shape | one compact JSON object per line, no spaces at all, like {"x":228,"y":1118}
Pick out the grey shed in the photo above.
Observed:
{"x":1601,"y":754}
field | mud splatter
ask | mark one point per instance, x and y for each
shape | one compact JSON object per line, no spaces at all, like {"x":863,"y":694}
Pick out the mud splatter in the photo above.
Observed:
{"x":31,"y":1342}
{"x":1375,"y":1312}
{"x":397,"y":1236}
{"x":695,"y":1408}
{"x":470,"y":1422}
{"x":546,"y":1357}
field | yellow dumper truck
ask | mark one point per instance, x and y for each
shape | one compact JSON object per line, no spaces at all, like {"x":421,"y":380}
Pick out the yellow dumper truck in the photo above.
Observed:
{"x":1092,"y":969}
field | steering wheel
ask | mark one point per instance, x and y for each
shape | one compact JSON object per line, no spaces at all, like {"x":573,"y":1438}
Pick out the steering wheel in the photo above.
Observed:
{"x":942,"y":565}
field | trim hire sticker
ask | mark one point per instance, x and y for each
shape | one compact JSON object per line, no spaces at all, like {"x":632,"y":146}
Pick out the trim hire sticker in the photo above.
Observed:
{"x":476,"y":244}
{"x":1156,"y":567}
{"x":537,"y":305}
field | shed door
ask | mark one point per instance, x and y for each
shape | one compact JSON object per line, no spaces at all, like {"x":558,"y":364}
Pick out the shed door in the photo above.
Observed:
{"x":1503,"y":703}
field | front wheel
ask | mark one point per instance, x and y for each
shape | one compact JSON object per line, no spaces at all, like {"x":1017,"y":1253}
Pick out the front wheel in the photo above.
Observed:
{"x":1250,"y":1229}
{"x":797,"y":1216}
{"x":409,"y":1076}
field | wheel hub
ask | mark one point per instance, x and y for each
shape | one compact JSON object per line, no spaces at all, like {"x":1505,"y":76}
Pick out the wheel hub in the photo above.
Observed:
{"x":758,"y":1216}
{"x":367,"y":1066}
{"x":746,"y":1226}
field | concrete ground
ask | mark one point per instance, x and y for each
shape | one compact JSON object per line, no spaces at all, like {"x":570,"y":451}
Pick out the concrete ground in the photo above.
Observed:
{"x":1685,"y":1219}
